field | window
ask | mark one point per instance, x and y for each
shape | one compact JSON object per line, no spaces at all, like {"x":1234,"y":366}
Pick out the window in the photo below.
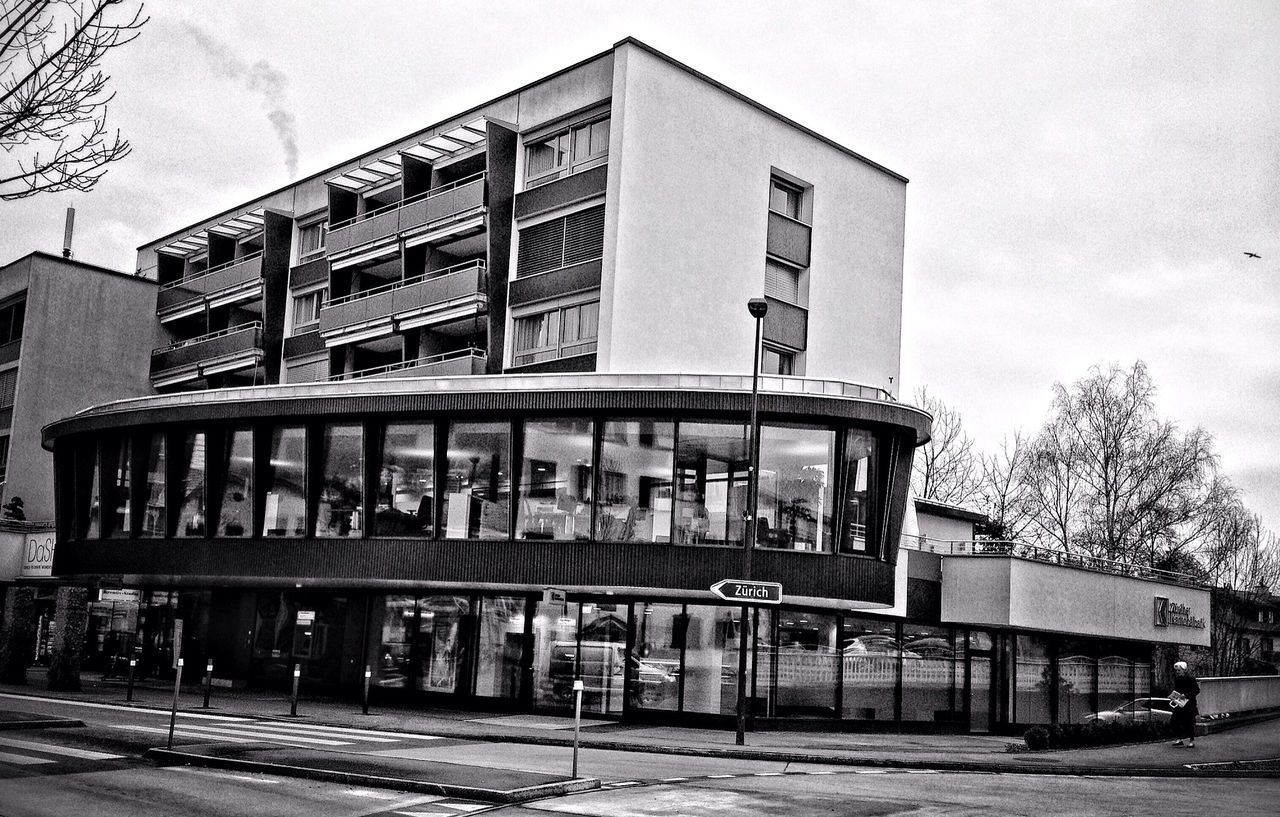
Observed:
{"x":342,"y":490}
{"x":569,"y":150}
{"x":311,"y":239}
{"x":306,"y":308}
{"x":781,"y":281}
{"x":12,"y":318}
{"x":565,"y":332}
{"x":406,"y":500}
{"x":561,"y":242}
{"x":8,"y":387}
{"x":634,"y":500}
{"x":785,"y":198}
{"x":795,"y":488}
{"x":859,"y":451}
{"x":777,"y":361}
{"x":555,"y":481}
{"x":4,"y":457}
{"x":285,"y":472}
{"x":477,"y":491}
{"x":711,"y":483}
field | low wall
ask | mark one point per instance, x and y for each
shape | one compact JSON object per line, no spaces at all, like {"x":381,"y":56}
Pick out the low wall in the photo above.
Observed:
{"x":1235,"y":694}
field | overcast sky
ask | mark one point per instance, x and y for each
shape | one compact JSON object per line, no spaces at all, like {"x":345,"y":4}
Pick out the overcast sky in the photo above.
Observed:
{"x":1085,"y":177}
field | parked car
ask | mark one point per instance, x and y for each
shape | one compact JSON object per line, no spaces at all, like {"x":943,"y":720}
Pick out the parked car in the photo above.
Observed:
{"x":1141,"y":710}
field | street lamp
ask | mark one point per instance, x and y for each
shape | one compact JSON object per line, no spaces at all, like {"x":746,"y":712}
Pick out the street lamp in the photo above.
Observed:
{"x":758,"y":307}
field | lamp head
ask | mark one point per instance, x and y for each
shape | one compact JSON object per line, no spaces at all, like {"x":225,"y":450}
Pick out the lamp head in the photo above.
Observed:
{"x":758,"y":307}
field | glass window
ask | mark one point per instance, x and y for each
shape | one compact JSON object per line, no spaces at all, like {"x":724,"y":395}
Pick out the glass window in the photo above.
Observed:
{"x":655,"y":668}
{"x":547,"y":155}
{"x":777,"y":361}
{"x":117,"y":468}
{"x":781,"y":281}
{"x":392,"y":669}
{"x":555,"y":481}
{"x":310,"y":239}
{"x":341,"y":507}
{"x":859,"y":451}
{"x":91,"y":527}
{"x":8,"y":387}
{"x":1076,"y":667}
{"x":286,"y":483}
{"x":784,"y":198}
{"x":558,"y":333}
{"x":710,"y":673}
{"x":406,"y":497}
{"x":805,"y":664}
{"x":711,"y":482}
{"x":634,"y":500}
{"x":477,"y":502}
{"x":589,"y":142}
{"x":154,"y":519}
{"x":441,"y":647}
{"x":1033,"y":686}
{"x":498,"y":663}
{"x":4,"y":457}
{"x":795,"y":488}
{"x":1115,"y":676}
{"x":602,"y":646}
{"x":555,"y":654}
{"x":306,"y":308}
{"x":192,"y":514}
{"x":928,"y":670}
{"x":869,"y":652}
{"x":236,"y":467}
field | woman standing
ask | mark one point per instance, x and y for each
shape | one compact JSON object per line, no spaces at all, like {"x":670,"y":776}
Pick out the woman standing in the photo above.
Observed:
{"x":1185,"y":690}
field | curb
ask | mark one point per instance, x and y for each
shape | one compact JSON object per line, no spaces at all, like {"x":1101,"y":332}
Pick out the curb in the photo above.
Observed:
{"x":171,"y":757}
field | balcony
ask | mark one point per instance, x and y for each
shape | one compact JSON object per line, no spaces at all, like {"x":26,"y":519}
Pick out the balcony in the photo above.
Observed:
{"x":238,"y":280}
{"x":431,"y":216}
{"x":449,"y":364}
{"x":425,"y":300}
{"x":228,"y":350}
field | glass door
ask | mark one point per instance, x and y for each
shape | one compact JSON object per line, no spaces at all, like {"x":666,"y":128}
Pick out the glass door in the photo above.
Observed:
{"x":978,"y":677}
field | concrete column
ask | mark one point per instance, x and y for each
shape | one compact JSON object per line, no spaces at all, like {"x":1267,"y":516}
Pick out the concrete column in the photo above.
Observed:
{"x":17,"y":633}
{"x":69,"y":624}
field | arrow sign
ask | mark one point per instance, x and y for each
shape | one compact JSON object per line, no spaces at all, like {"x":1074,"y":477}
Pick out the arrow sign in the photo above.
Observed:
{"x":745,"y":591}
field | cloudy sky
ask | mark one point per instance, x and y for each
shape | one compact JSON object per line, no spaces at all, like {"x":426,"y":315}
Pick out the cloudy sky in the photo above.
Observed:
{"x":1085,"y":177}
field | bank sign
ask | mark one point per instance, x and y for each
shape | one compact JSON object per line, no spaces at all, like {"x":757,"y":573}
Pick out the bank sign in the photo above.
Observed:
{"x":1172,"y":614}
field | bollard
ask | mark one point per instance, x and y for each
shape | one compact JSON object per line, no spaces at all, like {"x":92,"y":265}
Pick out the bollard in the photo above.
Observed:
{"x":173,"y":714}
{"x":293,"y":704}
{"x":128,"y":696}
{"x":577,"y":722}
{"x":208,"y":682}
{"x":368,"y":673}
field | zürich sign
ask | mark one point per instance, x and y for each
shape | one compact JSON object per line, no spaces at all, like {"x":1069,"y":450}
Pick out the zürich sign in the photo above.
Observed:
{"x":745,"y":591}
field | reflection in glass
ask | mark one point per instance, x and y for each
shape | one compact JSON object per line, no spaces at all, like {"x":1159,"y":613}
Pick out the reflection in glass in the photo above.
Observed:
{"x":154,"y":518}
{"x":806,"y":663}
{"x":117,"y":468}
{"x":555,"y":654}
{"x":89,"y":495}
{"x":859,"y":452}
{"x":555,"y":482}
{"x":869,"y":654}
{"x":341,"y":504}
{"x":441,"y":651}
{"x":928,"y":672}
{"x":501,"y":647}
{"x":601,"y":648}
{"x":634,"y":503}
{"x":1076,"y":667}
{"x":655,"y":668}
{"x":392,"y":669}
{"x":477,"y":503}
{"x":711,"y":482}
{"x":285,"y":474}
{"x":236,"y":516}
{"x":191,"y":475}
{"x":1034,"y":680}
{"x":1115,"y":675}
{"x":710,"y":673}
{"x":795,"y":488}
{"x":406,"y":498}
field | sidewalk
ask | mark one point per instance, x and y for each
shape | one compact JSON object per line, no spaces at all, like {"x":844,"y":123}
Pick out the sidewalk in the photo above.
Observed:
{"x":1237,"y":751}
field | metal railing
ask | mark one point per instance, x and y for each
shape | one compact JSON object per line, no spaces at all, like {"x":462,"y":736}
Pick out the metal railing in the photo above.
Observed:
{"x":1037,"y":553}
{"x":396,"y":205}
{"x":252,"y":325}
{"x":211,"y":270}
{"x":416,"y":363}
{"x":407,"y":282}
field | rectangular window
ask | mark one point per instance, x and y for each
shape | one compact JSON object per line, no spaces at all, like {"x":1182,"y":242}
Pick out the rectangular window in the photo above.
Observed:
{"x":712,"y":460}
{"x":784,"y":198}
{"x":286,"y":472}
{"x":795,"y":489}
{"x":555,"y":480}
{"x":567,"y":151}
{"x":859,"y":452}
{"x":4,"y":457}
{"x":191,"y":475}
{"x":633,"y":503}
{"x":561,"y":242}
{"x":499,"y":661}
{"x":781,"y":281}
{"x":565,"y":332}
{"x":117,"y":468}
{"x":477,"y":502}
{"x":8,"y":387}
{"x":311,"y":239}
{"x":777,"y":361}
{"x":341,"y":505}
{"x":306,"y":308}
{"x":154,"y":519}
{"x":406,"y":499}
{"x":236,"y":467}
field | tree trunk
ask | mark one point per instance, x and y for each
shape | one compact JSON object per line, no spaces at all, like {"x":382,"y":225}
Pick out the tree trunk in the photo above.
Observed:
{"x":69,"y":626}
{"x":17,"y":633}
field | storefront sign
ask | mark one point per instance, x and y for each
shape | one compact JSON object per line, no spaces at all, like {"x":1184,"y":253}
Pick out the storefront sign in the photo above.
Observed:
{"x":37,"y":555}
{"x":554,"y":595}
{"x":177,"y":642}
{"x":120,"y":595}
{"x":748,"y":592}
{"x":1175,"y":615}
{"x":306,"y":617}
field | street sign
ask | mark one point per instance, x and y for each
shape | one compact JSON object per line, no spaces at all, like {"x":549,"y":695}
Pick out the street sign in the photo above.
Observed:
{"x":745,"y":591}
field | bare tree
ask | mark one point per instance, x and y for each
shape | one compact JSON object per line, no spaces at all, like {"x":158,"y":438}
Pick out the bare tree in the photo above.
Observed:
{"x":945,"y":468}
{"x":1053,"y":487}
{"x":1003,"y":493}
{"x":53,"y":93}
{"x":1245,"y":571}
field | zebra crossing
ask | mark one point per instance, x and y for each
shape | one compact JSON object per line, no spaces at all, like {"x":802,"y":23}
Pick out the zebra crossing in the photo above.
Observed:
{"x":626,"y":784}
{"x":304,"y":735}
{"x":29,"y":753}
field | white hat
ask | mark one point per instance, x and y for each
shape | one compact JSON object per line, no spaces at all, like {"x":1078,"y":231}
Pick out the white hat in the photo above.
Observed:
{"x":1180,"y":665}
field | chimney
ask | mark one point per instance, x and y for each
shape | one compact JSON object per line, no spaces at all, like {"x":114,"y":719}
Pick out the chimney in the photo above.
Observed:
{"x":71,"y":226}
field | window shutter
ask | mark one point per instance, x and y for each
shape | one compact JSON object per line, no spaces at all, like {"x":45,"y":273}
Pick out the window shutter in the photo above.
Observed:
{"x":584,"y":236}
{"x":541,"y":248}
{"x":8,"y":387}
{"x":781,"y":282}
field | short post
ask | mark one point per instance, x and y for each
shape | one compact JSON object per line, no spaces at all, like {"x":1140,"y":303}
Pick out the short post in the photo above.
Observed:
{"x":208,"y":682}
{"x":293,"y":704}
{"x":128,"y":695}
{"x":173,"y":714}
{"x":368,"y":673}
{"x":577,"y":721}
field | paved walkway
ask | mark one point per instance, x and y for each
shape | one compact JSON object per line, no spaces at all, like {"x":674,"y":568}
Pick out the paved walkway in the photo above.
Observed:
{"x":1244,"y":745}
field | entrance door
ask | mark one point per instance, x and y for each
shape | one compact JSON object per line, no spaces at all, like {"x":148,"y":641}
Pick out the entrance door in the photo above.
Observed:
{"x":978,"y":681}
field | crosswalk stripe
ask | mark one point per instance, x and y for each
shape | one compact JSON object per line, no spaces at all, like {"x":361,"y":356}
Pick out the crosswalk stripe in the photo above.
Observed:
{"x":767,"y":774}
{"x":23,"y":760}
{"x":674,"y":779}
{"x":182,"y":733}
{"x":468,"y":807}
{"x":340,"y":730}
{"x":82,"y":754}
{"x":119,"y":707}
{"x":219,"y":731}
{"x":289,"y":729}
{"x":425,"y":813}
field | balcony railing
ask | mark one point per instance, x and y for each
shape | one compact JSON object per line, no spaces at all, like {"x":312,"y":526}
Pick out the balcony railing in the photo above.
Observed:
{"x":459,"y":362}
{"x":227,"y":276}
{"x":245,"y":338}
{"x":437,"y":287}
{"x":416,"y":211}
{"x":1036,"y":553}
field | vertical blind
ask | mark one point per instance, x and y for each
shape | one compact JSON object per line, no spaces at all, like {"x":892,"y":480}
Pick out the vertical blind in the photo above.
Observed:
{"x":561,"y":242}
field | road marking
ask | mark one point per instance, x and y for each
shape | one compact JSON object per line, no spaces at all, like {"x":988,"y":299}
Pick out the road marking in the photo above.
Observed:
{"x":766,"y":774}
{"x":23,"y":760}
{"x":465,"y":806}
{"x":624,"y":783}
{"x":219,"y":731}
{"x":182,"y":733}
{"x":922,"y":771}
{"x":381,"y":795}
{"x":720,"y":776}
{"x":118,"y":707}
{"x":82,"y":754}
{"x":673,"y":779}
{"x":289,"y":728}
{"x":225,"y":775}
{"x":822,"y":772}
{"x":347,"y":731}
{"x":870,"y":771}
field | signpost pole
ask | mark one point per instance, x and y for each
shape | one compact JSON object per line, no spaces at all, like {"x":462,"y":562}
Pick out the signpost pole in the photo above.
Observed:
{"x":368,"y":673}
{"x":293,"y":701}
{"x":173,"y":713}
{"x":208,"y":682}
{"x":128,"y":695}
{"x":758,"y":307}
{"x":577,"y":722}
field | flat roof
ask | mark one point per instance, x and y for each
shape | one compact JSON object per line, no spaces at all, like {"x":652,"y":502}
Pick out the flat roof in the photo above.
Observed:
{"x":949,"y":511}
{"x":71,"y":262}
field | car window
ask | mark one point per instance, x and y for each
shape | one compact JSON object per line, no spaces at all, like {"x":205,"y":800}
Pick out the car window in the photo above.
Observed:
{"x":1161,"y":704}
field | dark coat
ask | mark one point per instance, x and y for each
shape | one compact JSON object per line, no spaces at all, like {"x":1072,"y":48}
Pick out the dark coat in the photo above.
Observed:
{"x":1187,"y":685}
